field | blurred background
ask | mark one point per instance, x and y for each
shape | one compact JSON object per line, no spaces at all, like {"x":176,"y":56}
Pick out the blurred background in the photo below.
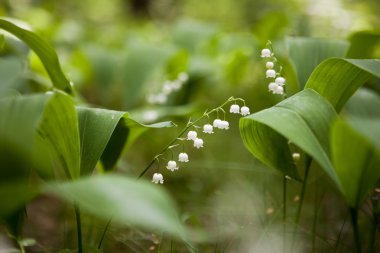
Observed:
{"x":120,"y":53}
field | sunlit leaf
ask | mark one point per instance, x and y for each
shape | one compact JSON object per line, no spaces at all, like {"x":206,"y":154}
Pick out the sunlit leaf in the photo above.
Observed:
{"x":125,"y":200}
{"x":44,"y":51}
{"x":304,"y":119}
{"x":356,"y":161}
{"x":60,"y":136}
{"x":364,"y":45}
{"x":338,"y":79}
{"x":307,"y":53}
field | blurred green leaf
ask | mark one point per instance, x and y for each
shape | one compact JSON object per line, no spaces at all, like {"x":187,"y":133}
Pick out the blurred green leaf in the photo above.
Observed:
{"x":104,"y":134}
{"x":15,"y":194}
{"x":44,"y":51}
{"x":356,"y":161}
{"x":11,"y":71}
{"x":363,"y":45}
{"x":192,"y":35}
{"x":126,"y":201}
{"x":338,"y":79}
{"x":271,"y":26}
{"x":364,"y":103}
{"x":307,"y":53}
{"x":304,"y":119}
{"x":140,"y":63}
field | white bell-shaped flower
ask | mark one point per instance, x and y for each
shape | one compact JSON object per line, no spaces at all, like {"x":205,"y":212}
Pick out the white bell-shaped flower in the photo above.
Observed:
{"x":244,"y":110}
{"x":183,"y":157}
{"x":279,"y":90}
{"x":265,"y":53}
{"x":296,"y":156}
{"x":270,"y":73}
{"x":158,"y":178}
{"x":216,"y":123}
{"x":234,"y":108}
{"x":198,"y":143}
{"x":183,"y":77}
{"x":172,"y":165}
{"x":280,"y":81}
{"x":191,"y":135}
{"x":269,"y":65}
{"x":272,"y":87}
{"x":224,"y":125}
{"x":208,"y":129}
{"x":161,"y":98}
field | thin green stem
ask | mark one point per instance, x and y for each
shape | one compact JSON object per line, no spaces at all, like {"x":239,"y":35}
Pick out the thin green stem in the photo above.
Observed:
{"x":302,"y":197}
{"x":79,"y":229}
{"x":284,"y":194}
{"x":372,"y":240}
{"x":303,"y":190}
{"x":355,"y":227}
{"x":104,"y":234}
{"x":189,"y":125}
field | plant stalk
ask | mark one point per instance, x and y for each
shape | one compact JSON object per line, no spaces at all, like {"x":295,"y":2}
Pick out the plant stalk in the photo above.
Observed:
{"x":79,"y":229}
{"x":104,"y":234}
{"x":355,"y":227}
{"x":284,"y":193}
{"x":190,"y":124}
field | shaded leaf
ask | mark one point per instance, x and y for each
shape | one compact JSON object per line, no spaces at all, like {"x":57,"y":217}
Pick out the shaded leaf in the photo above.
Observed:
{"x":356,"y":162}
{"x":125,"y":200}
{"x":304,"y":119}
{"x":104,"y":134}
{"x":44,"y":51}
{"x":307,"y":53}
{"x":364,"y":103}
{"x":338,"y":79}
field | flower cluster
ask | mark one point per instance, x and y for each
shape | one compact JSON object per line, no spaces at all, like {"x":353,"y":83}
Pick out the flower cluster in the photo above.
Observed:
{"x":277,"y":86}
{"x":192,"y":135}
{"x":168,"y":87}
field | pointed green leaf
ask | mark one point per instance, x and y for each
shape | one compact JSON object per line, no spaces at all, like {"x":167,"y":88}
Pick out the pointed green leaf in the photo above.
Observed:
{"x":304,"y":119}
{"x":104,"y":134}
{"x":59,"y":134}
{"x":125,"y":200}
{"x":44,"y":51}
{"x":356,"y":161}
{"x":307,"y":53}
{"x":338,"y":79}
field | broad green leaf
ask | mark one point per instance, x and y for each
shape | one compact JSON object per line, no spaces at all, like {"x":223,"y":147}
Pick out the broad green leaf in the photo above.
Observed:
{"x":44,"y":51}
{"x":307,"y":53}
{"x":59,"y":133}
{"x":125,"y":200}
{"x":140,"y":63}
{"x":356,"y":161}
{"x":364,"y":103}
{"x":364,"y":45}
{"x":45,"y":127}
{"x":104,"y":134}
{"x":304,"y":119}
{"x":19,"y":120}
{"x":338,"y":79}
{"x":15,"y":194}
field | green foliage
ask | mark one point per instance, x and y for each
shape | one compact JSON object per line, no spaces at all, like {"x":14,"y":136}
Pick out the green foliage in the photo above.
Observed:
{"x":303,"y":119}
{"x":307,"y":53}
{"x":44,"y":51}
{"x":356,"y":161}
{"x":338,"y":79}
{"x":124,"y":200}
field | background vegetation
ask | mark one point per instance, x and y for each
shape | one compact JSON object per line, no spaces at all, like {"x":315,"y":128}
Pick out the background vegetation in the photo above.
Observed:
{"x":116,"y":53}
